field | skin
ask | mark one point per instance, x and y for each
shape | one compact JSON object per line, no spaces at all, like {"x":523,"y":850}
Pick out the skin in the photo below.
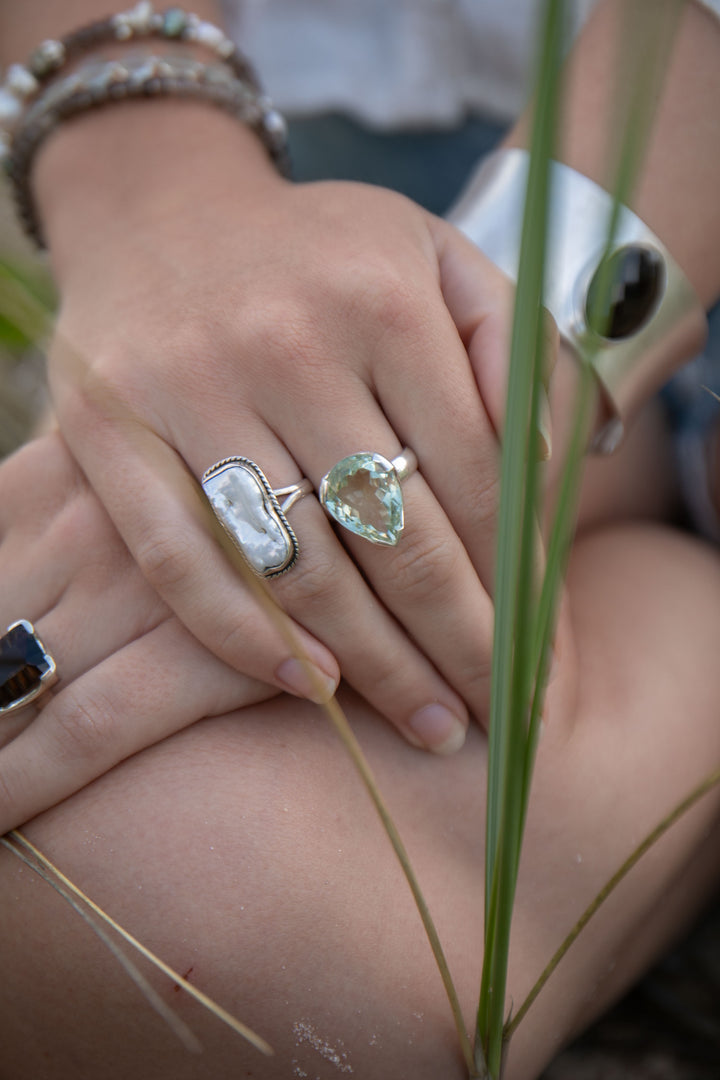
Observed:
{"x":298,"y":325}
{"x":371,"y":345}
{"x":244,"y":850}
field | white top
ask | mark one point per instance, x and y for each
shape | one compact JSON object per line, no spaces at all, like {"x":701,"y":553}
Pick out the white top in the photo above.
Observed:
{"x":395,"y":62}
{"x":392,"y":62}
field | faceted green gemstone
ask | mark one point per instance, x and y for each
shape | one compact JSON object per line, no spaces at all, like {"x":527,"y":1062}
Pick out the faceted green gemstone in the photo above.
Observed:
{"x":362,"y":492}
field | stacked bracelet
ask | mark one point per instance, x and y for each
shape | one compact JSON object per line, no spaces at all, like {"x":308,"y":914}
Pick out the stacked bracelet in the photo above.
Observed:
{"x":655,"y":319}
{"x":24,"y":81}
{"x":37,"y":97}
{"x":102,"y":83}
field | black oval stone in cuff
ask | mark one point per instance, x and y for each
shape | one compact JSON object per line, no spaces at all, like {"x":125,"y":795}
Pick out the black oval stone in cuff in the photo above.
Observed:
{"x":624,"y":291}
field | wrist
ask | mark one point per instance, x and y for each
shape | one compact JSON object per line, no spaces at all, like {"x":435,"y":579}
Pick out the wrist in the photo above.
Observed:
{"x":121,"y":172}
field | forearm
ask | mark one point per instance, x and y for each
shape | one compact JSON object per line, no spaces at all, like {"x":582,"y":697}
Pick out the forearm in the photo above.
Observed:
{"x":676,"y":194}
{"x":129,"y":165}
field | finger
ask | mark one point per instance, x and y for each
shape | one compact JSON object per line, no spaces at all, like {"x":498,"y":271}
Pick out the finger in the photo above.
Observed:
{"x":78,"y":585}
{"x":481,"y":301}
{"x":155,"y":686}
{"x":325,"y":592}
{"x":427,"y":582}
{"x":35,"y":484}
{"x":168,"y":525}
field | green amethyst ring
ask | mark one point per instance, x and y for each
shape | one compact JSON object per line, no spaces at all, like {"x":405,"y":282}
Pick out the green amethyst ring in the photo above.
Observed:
{"x":363,"y":494}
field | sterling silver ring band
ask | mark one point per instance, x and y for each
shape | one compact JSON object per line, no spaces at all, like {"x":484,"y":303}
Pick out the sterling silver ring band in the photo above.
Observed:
{"x":252,"y":514}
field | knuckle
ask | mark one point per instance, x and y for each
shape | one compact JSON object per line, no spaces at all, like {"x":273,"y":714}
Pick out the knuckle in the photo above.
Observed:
{"x":293,"y":344}
{"x":395,"y":686}
{"x":11,"y":792}
{"x":164,"y":559}
{"x":311,"y":587}
{"x":393,"y":302}
{"x":482,"y":503}
{"x":82,"y":725}
{"x":474,"y":680}
{"x":425,"y":568}
{"x":98,"y":392}
{"x":280,"y":332}
{"x":241,"y":644}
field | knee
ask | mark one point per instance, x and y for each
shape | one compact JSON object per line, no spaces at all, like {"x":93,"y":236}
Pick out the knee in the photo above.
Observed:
{"x":247,"y":859}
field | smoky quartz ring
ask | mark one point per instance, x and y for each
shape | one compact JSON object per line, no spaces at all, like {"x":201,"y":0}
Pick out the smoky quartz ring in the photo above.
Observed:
{"x":252,"y":514}
{"x":27,"y":669}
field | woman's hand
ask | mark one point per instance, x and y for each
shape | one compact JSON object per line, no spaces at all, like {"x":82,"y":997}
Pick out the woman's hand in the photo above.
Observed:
{"x":236,"y":314}
{"x":130,"y":673}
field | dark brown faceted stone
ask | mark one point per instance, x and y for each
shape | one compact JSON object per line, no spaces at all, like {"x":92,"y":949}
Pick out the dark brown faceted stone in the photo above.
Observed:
{"x":22,"y":664}
{"x":634,"y":283}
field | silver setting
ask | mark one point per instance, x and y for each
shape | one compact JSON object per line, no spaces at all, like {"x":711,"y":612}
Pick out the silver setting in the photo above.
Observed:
{"x":252,"y":514}
{"x":405,"y":464}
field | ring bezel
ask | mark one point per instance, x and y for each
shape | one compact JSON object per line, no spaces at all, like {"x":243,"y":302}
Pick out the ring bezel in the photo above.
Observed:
{"x":264,"y":538}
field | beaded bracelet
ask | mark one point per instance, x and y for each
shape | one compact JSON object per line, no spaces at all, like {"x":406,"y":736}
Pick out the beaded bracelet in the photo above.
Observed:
{"x":24,"y":82}
{"x":102,"y":83}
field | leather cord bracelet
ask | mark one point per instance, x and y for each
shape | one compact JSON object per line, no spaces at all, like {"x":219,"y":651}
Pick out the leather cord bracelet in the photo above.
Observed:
{"x":96,"y":84}
{"x":654,"y":321}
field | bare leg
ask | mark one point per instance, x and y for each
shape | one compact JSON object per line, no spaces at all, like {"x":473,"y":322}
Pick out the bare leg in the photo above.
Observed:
{"x":245,"y":852}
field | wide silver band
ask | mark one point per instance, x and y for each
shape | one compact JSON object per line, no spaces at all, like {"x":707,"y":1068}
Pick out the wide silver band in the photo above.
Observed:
{"x":252,"y":515}
{"x":490,"y":213}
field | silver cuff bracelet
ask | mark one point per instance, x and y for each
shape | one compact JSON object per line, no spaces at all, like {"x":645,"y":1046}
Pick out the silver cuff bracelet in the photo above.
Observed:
{"x":655,"y":320}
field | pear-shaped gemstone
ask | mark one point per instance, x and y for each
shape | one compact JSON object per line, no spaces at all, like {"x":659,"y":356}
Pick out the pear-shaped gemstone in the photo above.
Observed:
{"x":362,"y":492}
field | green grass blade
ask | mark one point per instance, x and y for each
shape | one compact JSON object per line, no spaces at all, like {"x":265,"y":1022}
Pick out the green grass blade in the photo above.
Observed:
{"x":212,"y":1006}
{"x":516,"y":558}
{"x":341,"y":725}
{"x":647,"y":45}
{"x":636,"y":104}
{"x":514,"y":458}
{"x":27,"y":305}
{"x":557,"y":552}
{"x":660,"y":829}
{"x":178,"y":1026}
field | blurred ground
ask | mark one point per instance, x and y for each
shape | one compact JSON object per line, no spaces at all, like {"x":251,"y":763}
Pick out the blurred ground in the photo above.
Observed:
{"x":668,"y":1028}
{"x":22,"y":377}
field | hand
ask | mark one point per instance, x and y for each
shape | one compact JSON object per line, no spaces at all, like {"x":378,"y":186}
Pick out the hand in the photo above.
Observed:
{"x":130,"y":673}
{"x":294,"y":325}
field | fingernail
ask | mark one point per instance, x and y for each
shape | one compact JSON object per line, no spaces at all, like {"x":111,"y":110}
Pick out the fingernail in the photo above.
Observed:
{"x":544,"y":426}
{"x":438,"y":729}
{"x":305,"y":679}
